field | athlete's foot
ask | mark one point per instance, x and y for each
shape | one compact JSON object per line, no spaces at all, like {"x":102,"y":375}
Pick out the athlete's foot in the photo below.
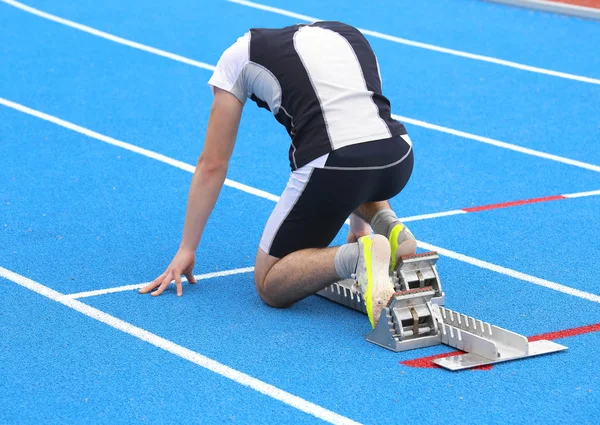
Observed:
{"x":402,"y":243}
{"x":372,"y":274}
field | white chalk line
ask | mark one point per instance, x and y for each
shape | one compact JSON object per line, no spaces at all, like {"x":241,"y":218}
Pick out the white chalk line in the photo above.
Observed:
{"x":427,"y":46}
{"x":206,"y":66}
{"x":128,"y":146}
{"x":178,"y":350}
{"x":123,"y":288}
{"x":498,"y":143}
{"x":189,"y":168}
{"x":582,"y":194}
{"x":512,"y":273}
{"x":432,"y":215}
{"x":250,"y":269}
{"x":108,"y":36}
{"x":463,"y":211}
{"x":269,"y":390}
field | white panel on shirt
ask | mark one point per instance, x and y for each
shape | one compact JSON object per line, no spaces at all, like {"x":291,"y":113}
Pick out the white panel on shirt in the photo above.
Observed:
{"x":237,"y":75}
{"x":230,"y":66}
{"x":350,"y":113}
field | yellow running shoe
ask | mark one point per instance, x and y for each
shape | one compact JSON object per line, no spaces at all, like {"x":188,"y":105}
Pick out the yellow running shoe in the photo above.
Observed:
{"x":402,"y":242}
{"x":372,"y":274}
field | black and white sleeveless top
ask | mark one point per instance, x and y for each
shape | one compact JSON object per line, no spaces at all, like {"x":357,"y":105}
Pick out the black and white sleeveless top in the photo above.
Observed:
{"x":321,"y":81}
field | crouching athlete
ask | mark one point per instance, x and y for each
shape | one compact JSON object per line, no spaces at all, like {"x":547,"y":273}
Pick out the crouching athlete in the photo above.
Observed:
{"x":348,"y":158}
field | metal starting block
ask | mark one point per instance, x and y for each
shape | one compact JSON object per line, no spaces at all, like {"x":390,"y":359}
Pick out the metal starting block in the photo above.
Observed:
{"x":412,"y":272}
{"x":419,"y":271}
{"x":415,"y":318}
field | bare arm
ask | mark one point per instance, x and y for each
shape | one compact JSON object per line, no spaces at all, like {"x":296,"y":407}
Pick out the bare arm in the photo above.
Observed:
{"x":206,"y":185}
{"x":211,"y":168}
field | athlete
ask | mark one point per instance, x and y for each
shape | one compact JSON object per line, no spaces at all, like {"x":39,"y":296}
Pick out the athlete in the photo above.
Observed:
{"x":348,"y":157}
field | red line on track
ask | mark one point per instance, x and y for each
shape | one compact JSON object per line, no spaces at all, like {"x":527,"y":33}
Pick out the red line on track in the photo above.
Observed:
{"x":514,"y":203}
{"x":566,"y":333}
{"x":585,"y":3}
{"x":426,"y":362}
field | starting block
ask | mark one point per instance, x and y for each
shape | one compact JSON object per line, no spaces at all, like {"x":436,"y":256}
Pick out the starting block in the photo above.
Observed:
{"x":415,"y":318}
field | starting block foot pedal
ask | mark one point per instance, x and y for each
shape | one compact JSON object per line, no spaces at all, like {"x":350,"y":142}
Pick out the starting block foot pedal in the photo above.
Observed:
{"x":419,"y":271}
{"x":483,"y":343}
{"x":471,"y":360}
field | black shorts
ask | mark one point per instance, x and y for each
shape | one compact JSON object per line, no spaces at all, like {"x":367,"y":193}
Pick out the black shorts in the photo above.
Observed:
{"x":320,"y":196}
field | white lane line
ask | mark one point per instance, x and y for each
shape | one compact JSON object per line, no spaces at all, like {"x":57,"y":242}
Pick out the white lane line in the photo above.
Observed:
{"x":497,"y":143}
{"x":186,"y":167}
{"x":185,"y":353}
{"x":582,"y":194}
{"x":114,"y":289}
{"x":510,"y":204}
{"x":203,"y":65}
{"x":432,"y":215}
{"x":108,"y":36}
{"x":128,"y":146}
{"x":251,"y":269}
{"x":427,"y":46}
{"x":512,"y":273}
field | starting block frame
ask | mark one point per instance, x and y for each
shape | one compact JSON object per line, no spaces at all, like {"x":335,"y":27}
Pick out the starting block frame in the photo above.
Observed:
{"x":415,"y":318}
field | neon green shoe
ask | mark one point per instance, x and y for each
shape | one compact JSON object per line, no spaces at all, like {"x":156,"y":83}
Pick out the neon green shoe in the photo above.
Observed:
{"x":402,"y":242}
{"x":372,"y":274}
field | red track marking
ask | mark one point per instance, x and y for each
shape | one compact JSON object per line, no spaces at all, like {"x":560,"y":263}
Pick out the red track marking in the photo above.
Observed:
{"x":585,"y":3}
{"x":566,"y":333}
{"x":426,"y":362}
{"x":514,"y":203}
{"x":502,"y":205}
{"x":582,"y":8}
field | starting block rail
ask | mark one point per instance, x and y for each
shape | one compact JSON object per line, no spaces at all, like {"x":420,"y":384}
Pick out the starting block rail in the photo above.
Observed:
{"x":415,"y":318}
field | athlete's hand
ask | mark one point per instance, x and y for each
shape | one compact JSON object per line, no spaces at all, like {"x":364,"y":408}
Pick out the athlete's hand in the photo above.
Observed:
{"x":182,"y":264}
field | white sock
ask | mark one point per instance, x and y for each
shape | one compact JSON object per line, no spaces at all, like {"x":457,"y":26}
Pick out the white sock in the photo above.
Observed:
{"x":346,"y":259}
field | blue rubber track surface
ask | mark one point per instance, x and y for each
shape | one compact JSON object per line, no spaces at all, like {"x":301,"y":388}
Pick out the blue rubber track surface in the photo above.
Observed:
{"x":78,"y":214}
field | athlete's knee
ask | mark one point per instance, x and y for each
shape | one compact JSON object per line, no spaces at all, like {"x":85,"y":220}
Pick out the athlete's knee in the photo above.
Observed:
{"x":268,"y":293}
{"x":266,"y":289}
{"x":268,"y":297}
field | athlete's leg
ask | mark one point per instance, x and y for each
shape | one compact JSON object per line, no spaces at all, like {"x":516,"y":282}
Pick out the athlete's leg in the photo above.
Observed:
{"x":283,"y":282}
{"x":293,"y":260}
{"x":384,"y":222}
{"x":367,"y":210}
{"x":358,"y":228}
{"x":392,"y":181}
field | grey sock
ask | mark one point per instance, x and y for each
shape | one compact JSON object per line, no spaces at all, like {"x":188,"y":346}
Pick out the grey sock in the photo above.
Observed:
{"x":346,"y":259}
{"x":383,"y":221}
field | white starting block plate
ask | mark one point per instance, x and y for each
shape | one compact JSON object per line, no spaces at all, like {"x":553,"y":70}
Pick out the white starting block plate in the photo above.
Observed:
{"x":470,"y":360}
